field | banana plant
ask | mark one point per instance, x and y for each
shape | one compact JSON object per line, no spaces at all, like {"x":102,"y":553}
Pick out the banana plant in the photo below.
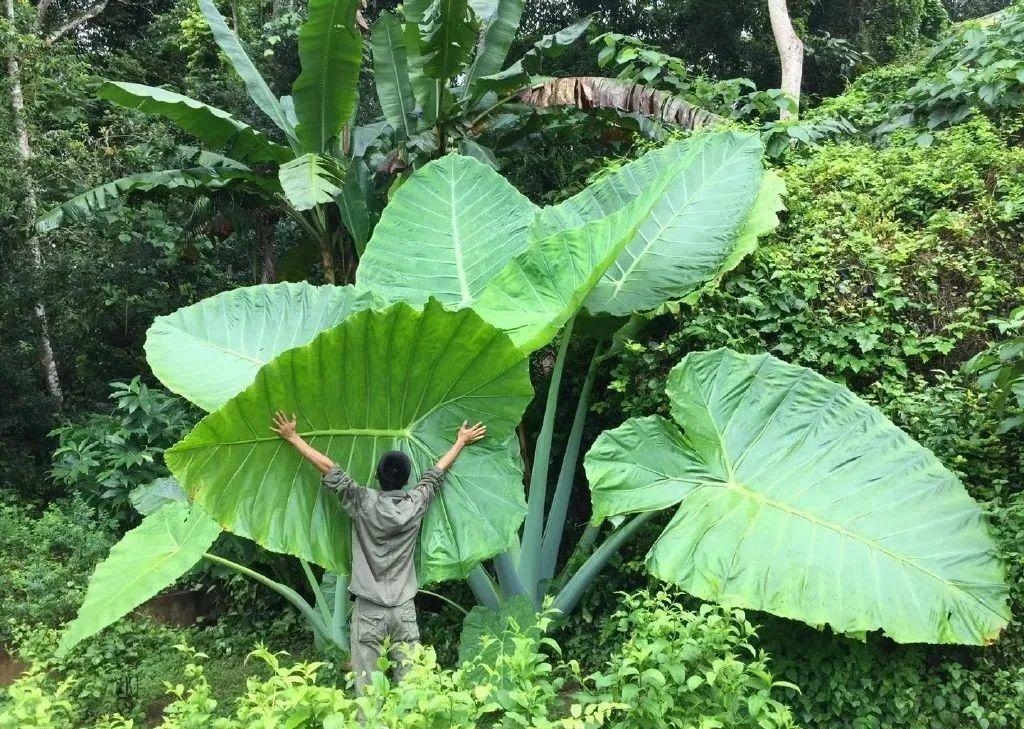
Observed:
{"x":309,"y":173}
{"x":438,"y":70}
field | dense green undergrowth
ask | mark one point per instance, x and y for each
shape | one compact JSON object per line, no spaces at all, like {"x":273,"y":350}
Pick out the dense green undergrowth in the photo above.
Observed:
{"x":670,"y":667}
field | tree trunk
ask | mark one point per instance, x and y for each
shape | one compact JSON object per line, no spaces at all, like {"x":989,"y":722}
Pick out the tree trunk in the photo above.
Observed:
{"x":791,"y":54}
{"x":327,"y":260}
{"x":24,"y":156}
{"x":268,"y":254}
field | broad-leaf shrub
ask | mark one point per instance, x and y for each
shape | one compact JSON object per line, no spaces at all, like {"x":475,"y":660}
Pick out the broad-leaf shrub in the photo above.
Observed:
{"x":106,"y":456}
{"x":978,"y":65}
{"x":1000,"y":368}
{"x":33,"y":702}
{"x":678,"y":668}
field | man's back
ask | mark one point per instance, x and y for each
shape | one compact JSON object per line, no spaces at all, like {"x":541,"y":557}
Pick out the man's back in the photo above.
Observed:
{"x":385,"y":529}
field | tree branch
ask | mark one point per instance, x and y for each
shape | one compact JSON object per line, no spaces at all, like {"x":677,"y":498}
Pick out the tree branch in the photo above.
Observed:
{"x":90,"y":12}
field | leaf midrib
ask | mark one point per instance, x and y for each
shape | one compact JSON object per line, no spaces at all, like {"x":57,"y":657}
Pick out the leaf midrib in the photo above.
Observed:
{"x":745,"y":492}
{"x":354,"y":432}
{"x":460,"y":269}
{"x":748,"y":493}
{"x":221,"y":348}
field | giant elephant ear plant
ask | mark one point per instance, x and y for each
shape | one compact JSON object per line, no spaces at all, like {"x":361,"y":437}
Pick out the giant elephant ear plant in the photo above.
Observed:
{"x":429,"y":338}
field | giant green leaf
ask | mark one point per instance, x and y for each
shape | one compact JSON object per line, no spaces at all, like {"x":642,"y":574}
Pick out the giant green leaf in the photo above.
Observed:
{"x":331,"y":50}
{"x":688,"y":236}
{"x":311,"y":180}
{"x":541,"y":288}
{"x":797,"y":498}
{"x":258,"y":90}
{"x":533,"y":296}
{"x":213,"y":126}
{"x":391,"y":75}
{"x":479,"y":243}
{"x":111,"y":193}
{"x":401,"y":378}
{"x":166,"y":545}
{"x":448,"y":230}
{"x":210,"y":351}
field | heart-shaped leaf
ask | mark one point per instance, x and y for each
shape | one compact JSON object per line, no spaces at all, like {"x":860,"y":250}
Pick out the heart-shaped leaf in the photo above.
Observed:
{"x":400,"y":379}
{"x":798,"y":498}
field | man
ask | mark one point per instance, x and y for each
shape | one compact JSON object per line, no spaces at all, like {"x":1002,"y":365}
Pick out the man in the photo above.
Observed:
{"x":385,"y":527}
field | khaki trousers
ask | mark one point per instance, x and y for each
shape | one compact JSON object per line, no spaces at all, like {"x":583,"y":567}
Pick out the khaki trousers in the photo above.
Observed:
{"x":372,"y":626}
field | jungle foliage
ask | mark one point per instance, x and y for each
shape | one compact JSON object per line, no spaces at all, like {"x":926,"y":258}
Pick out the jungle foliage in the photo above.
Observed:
{"x":896,"y":264}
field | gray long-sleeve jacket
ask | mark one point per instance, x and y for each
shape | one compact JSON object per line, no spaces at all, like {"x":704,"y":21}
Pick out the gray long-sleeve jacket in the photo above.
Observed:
{"x":385,"y":527}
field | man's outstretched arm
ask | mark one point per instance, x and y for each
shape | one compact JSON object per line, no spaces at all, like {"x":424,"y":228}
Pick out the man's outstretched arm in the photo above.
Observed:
{"x":286,"y":429}
{"x":467,"y":435}
{"x":434,"y":477}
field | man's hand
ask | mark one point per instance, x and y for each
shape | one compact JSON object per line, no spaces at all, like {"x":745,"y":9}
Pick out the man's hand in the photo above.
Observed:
{"x":284,"y":427}
{"x":469,"y":434}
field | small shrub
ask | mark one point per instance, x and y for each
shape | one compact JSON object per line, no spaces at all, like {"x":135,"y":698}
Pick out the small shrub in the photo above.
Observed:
{"x":35,"y":701}
{"x":680,"y":668}
{"x":976,"y":66}
{"x":106,"y":456}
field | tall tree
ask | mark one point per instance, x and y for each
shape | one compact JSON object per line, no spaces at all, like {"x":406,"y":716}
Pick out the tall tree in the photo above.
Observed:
{"x":791,"y":53}
{"x":52,"y":23}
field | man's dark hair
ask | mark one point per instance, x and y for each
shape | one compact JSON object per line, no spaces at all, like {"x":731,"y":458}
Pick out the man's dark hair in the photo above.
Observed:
{"x":393,"y":470}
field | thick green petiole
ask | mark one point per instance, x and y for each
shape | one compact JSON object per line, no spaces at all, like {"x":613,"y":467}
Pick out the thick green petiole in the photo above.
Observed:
{"x":555,"y":522}
{"x":311,"y":615}
{"x":483,"y":587}
{"x":577,"y":585}
{"x":533,"y":530}
{"x":508,"y":577}
{"x":314,"y":584}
